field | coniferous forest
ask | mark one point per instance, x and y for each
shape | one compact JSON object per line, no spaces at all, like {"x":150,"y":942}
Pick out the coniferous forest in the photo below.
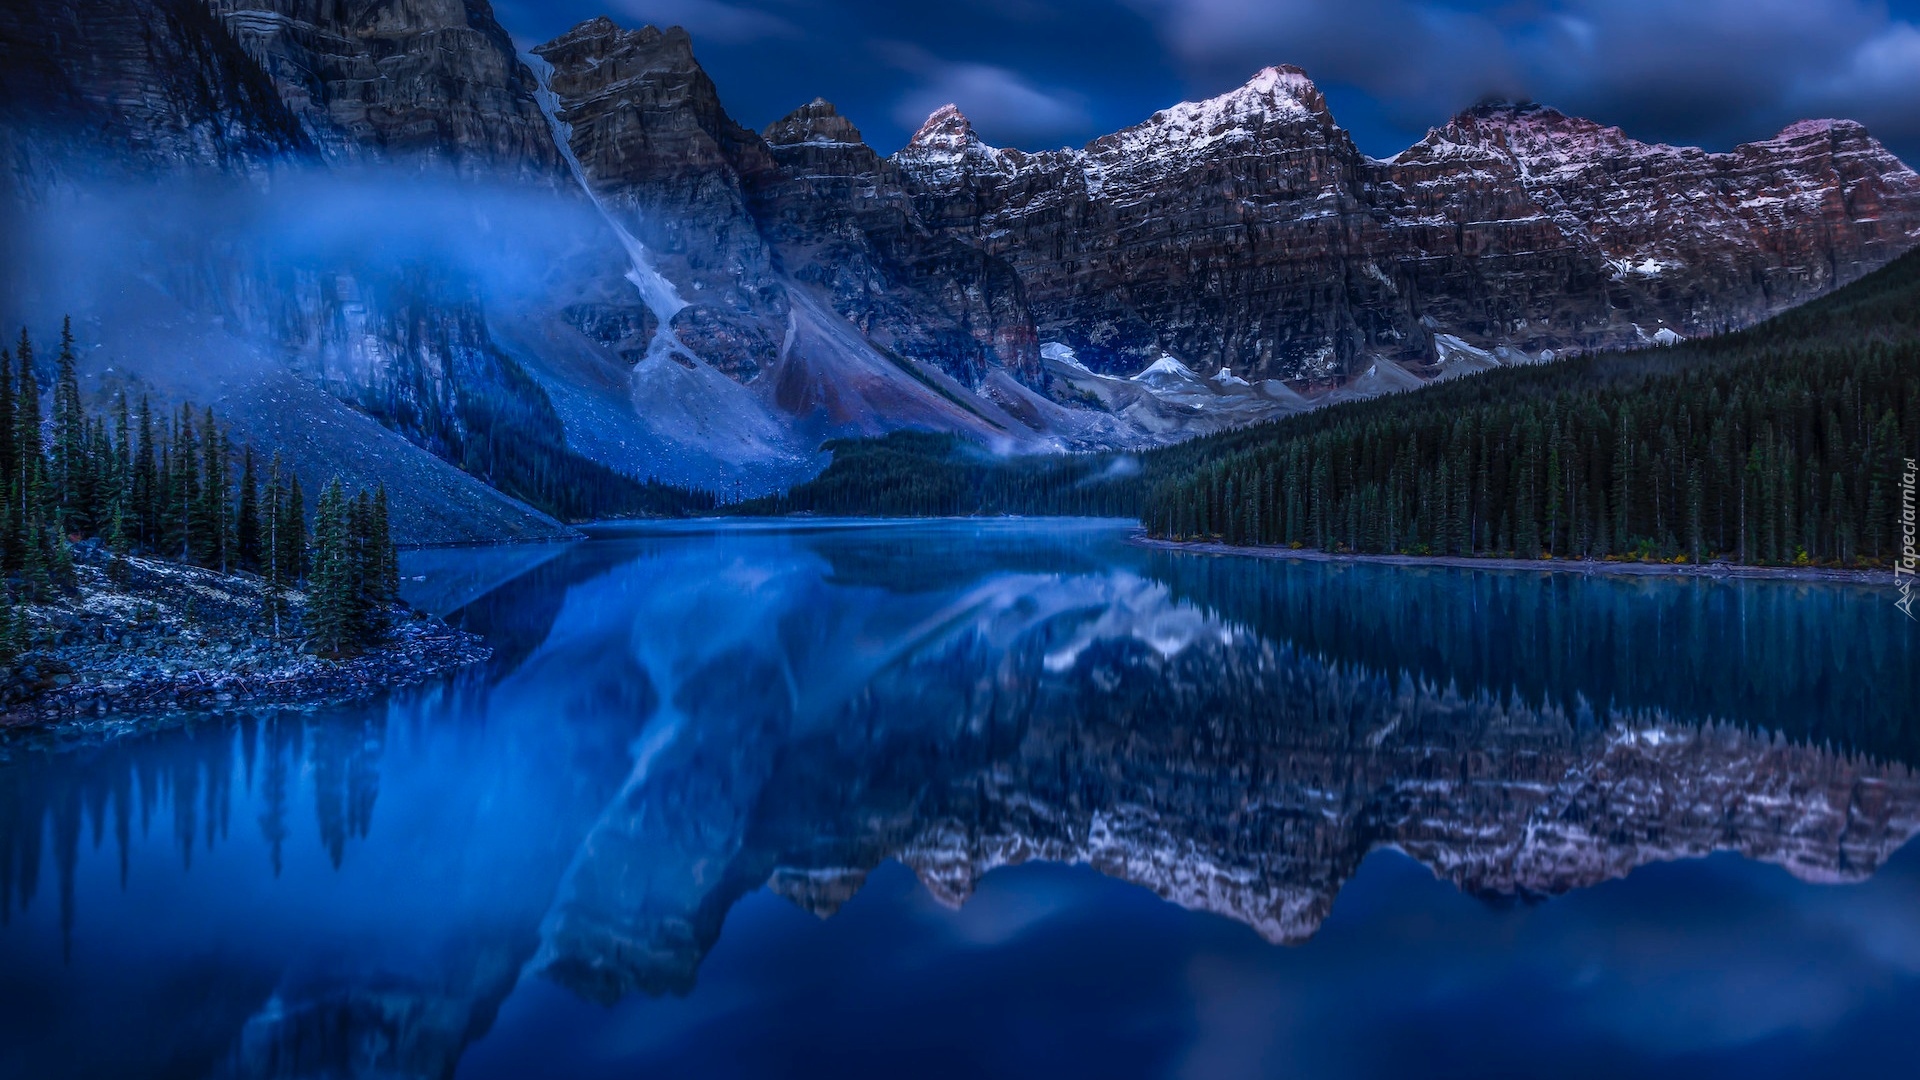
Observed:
{"x":1780,"y":444}
{"x":173,"y":486}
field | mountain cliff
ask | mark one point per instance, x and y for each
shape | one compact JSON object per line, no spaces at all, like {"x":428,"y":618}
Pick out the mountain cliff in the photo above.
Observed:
{"x":1247,"y":232}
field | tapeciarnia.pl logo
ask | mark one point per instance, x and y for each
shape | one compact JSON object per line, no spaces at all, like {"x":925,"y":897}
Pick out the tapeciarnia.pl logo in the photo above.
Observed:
{"x":1908,"y":564}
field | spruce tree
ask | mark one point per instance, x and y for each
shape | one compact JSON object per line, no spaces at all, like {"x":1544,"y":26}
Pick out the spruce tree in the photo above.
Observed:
{"x":207,"y":506}
{"x":120,"y":488}
{"x":388,"y":591}
{"x":37,"y":513}
{"x":12,"y":530}
{"x":146,"y":482}
{"x":330,"y":599}
{"x":10,"y":527}
{"x":246,"y":516}
{"x":183,"y":541}
{"x":292,"y":545}
{"x":71,"y":462}
{"x":30,"y":479}
{"x":119,"y":545}
{"x":36,"y":561}
{"x":363,"y":562}
{"x":273,"y":554}
{"x":97,"y":486}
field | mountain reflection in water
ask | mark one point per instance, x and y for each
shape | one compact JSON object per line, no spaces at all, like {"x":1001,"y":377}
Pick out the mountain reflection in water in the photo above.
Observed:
{"x":678,"y":717}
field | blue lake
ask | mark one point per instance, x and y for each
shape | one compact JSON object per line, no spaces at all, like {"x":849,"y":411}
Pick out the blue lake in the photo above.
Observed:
{"x":1004,"y":799}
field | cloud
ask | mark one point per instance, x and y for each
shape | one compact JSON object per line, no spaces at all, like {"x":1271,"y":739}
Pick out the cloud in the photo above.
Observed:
{"x":1004,"y":105}
{"x":1402,"y":51}
{"x":1879,"y":86}
{"x":1713,"y":71}
{"x":711,"y":20}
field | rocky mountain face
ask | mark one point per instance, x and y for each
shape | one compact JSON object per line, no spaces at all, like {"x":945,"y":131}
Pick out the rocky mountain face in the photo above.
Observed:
{"x":740,"y":221}
{"x":1247,"y":232}
{"x":147,"y":81}
{"x":434,"y":82}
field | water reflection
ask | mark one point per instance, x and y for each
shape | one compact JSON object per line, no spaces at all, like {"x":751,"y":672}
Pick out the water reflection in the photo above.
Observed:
{"x":677,"y":719}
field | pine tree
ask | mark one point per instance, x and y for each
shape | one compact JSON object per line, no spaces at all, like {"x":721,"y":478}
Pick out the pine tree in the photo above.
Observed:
{"x":71,"y":462}
{"x":387,"y":591}
{"x":120,"y":491}
{"x":330,"y":599}
{"x":37,"y":512}
{"x":146,"y":482}
{"x":30,"y":451}
{"x":246,"y":516}
{"x":11,"y":529}
{"x":207,"y":510}
{"x":363,"y":559}
{"x":274,"y":550}
{"x":183,"y":541}
{"x":119,"y":545}
{"x":292,"y":527}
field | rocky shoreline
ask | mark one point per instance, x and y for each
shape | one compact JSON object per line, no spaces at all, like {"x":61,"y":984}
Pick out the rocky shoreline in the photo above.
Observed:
{"x":1716,"y":570}
{"x":168,"y":638}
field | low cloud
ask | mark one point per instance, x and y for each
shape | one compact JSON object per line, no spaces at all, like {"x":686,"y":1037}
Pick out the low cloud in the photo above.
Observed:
{"x":1004,"y":105}
{"x":1879,"y":86}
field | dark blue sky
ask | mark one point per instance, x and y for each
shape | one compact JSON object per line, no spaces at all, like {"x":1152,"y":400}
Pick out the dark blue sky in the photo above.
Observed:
{"x":1041,"y":73}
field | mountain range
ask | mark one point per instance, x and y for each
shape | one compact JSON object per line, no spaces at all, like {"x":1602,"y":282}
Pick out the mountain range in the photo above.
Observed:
{"x":376,"y":235}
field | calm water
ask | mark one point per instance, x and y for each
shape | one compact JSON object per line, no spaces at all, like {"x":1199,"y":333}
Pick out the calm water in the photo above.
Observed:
{"x":1009,"y":799}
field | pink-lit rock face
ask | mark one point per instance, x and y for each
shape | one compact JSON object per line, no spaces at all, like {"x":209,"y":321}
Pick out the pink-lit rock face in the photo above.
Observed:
{"x":1247,"y":231}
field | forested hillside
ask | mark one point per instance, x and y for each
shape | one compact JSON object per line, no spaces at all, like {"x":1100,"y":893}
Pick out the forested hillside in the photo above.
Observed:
{"x":1779,"y":444}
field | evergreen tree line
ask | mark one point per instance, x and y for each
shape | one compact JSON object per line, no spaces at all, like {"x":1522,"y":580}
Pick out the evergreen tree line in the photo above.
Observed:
{"x":1779,"y":444}
{"x":922,"y":474}
{"x":166,"y":486}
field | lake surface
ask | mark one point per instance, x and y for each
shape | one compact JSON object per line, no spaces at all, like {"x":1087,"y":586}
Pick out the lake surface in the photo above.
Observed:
{"x":1004,"y":799}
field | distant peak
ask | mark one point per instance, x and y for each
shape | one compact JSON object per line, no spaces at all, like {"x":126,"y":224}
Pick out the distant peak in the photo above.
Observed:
{"x":815,"y":122}
{"x":602,"y":36}
{"x":946,"y":128}
{"x":1802,"y":128}
{"x":1281,"y":86}
{"x":1281,"y":79}
{"x":1280,"y":92}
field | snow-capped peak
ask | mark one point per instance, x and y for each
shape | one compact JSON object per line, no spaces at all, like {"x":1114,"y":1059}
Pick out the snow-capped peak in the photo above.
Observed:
{"x":1281,"y":82}
{"x":947,"y":128}
{"x":1275,"y":95}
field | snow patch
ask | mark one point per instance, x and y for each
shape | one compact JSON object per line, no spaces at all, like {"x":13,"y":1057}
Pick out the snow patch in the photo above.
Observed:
{"x":1166,"y":370}
{"x":1644,"y":266}
{"x":1061,"y":354}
